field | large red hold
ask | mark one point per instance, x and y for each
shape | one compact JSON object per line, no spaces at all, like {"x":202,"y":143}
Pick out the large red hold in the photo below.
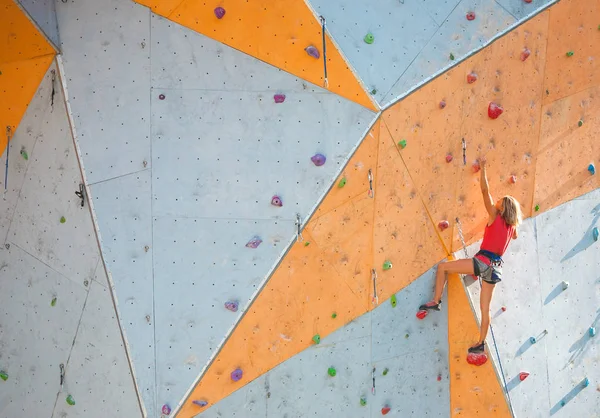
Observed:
{"x":471,"y":16}
{"x":525,"y":54}
{"x":477,"y":359}
{"x":471,"y":77}
{"x":443,"y":225}
{"x":494,"y":110}
{"x":523,"y":376}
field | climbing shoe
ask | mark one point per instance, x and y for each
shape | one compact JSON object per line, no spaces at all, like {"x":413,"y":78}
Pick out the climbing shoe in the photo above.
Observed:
{"x":431,"y":306}
{"x":477,"y":349}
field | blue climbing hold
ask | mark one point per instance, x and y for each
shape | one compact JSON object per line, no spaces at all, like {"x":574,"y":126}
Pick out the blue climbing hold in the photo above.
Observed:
{"x":318,"y":159}
{"x":595,"y":233}
{"x":592,"y":169}
{"x":586,"y":382}
{"x":592,"y":332}
{"x":532,"y":340}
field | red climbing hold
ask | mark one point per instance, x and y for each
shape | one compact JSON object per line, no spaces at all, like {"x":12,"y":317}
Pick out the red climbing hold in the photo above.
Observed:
{"x":513,"y":179}
{"x":442,"y":104}
{"x":385,"y":410}
{"x":449,"y":158}
{"x":279,"y":98}
{"x":476,"y":359}
{"x":527,"y":1}
{"x":471,"y":77}
{"x":439,"y":378}
{"x":504,"y":309}
{"x":219,"y":12}
{"x":523,"y":376}
{"x":471,"y":16}
{"x":422,"y":314}
{"x":525,"y":54}
{"x":443,"y":225}
{"x":313,"y":52}
{"x":494,"y":110}
{"x":476,"y":167}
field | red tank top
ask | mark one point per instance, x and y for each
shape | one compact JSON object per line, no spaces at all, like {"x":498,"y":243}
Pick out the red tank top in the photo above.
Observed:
{"x":497,"y":236}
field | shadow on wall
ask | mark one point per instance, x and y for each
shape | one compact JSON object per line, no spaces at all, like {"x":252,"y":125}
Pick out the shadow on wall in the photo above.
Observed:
{"x":581,"y":345}
{"x":567,"y":398}
{"x":587,"y":238}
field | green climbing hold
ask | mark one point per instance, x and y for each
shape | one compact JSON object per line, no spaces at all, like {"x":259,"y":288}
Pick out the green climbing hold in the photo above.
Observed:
{"x":451,"y":56}
{"x":385,"y":371}
{"x":369,"y":38}
{"x":333,"y":315}
{"x":374,"y":91}
{"x":393,"y":301}
{"x":342,"y":182}
{"x":331,"y":371}
{"x":316,"y":339}
{"x":62,"y":220}
{"x":70,"y":400}
{"x":406,"y":336}
{"x":3,"y":375}
{"x":363,"y":401}
{"x":24,"y":154}
{"x":307,"y":243}
{"x":387,"y":265}
{"x":402,"y":143}
{"x":537,"y":208}
{"x":53,"y":303}
{"x":580,"y":123}
{"x":570,"y":54}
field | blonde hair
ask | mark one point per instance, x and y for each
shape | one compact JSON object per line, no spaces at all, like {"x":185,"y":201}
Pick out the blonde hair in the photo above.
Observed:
{"x":511,"y":211}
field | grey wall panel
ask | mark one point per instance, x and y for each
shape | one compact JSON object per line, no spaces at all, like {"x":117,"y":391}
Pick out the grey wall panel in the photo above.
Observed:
{"x":43,"y":12}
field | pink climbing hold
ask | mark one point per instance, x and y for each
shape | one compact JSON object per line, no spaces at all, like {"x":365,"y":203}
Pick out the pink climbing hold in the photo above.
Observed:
{"x":439,"y":377}
{"x":201,"y":404}
{"x":476,"y":167}
{"x":254,"y":242}
{"x":471,"y":16}
{"x":525,"y":54}
{"x":318,"y":159}
{"x":385,"y":410}
{"x":471,"y":77}
{"x":161,"y":97}
{"x":443,"y":225}
{"x":279,"y":98}
{"x":523,"y":376}
{"x":442,"y":104}
{"x":237,"y":375}
{"x":313,"y":52}
{"x":513,"y":179}
{"x":449,"y":158}
{"x":166,"y":409}
{"x":494,"y":110}
{"x":276,"y":201}
{"x":476,"y":359}
{"x":219,"y":12}
{"x":231,"y":305}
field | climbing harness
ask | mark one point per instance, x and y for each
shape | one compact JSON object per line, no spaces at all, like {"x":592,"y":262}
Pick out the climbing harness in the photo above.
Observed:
{"x":464,"y":148}
{"x":53,"y":91}
{"x":375,"y":297}
{"x":326,"y":83}
{"x":81,"y":194}
{"x":464,"y":246}
{"x":299,"y":237}
{"x":371,"y":192}
{"x":8,"y":138}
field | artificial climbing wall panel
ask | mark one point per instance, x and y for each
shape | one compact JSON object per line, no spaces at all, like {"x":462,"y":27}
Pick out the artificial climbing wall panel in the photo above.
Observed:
{"x":274,"y":32}
{"x":43,"y":13}
{"x":553,"y":248}
{"x":389,"y":339}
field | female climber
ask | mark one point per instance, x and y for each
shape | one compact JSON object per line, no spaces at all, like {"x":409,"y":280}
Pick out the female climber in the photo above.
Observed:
{"x":503,"y":219}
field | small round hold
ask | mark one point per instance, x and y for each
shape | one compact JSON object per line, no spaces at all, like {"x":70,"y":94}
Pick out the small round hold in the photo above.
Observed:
{"x":313,"y":52}
{"x":318,"y":159}
{"x":592,"y":331}
{"x":276,"y":201}
{"x":592,"y":169}
{"x":369,"y":38}
{"x":219,"y":12}
{"x":161,"y":97}
{"x":471,"y":77}
{"x":532,"y":340}
{"x":439,"y":378}
{"x":279,"y":98}
{"x":442,"y":104}
{"x":363,"y":401}
{"x":504,"y":309}
{"x":570,"y":53}
{"x":580,"y":123}
{"x":449,"y":158}
{"x":200,"y":403}
{"x":513,"y":179}
{"x":316,"y":339}
{"x":385,"y":410}
{"x":562,"y":403}
{"x":333,"y":315}
{"x":231,"y":305}
{"x":443,"y":225}
{"x":527,"y":1}
{"x":595,"y":233}
{"x":237,"y":375}
{"x":537,"y":208}
{"x":494,"y":110}
{"x":525,"y":54}
{"x":385,"y":371}
{"x":387,"y":265}
{"x":471,"y":16}
{"x":402,"y":143}
{"x":166,"y":409}
{"x":565,"y":285}
{"x":523,"y":376}
{"x":476,"y":167}
{"x":331,"y":371}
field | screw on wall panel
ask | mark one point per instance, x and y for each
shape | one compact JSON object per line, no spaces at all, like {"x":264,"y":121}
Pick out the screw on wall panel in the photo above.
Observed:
{"x":81,"y":194}
{"x":145,"y":163}
{"x":143,"y":45}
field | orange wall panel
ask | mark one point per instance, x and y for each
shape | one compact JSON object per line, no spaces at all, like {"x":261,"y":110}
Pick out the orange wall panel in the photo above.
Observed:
{"x":274,"y":32}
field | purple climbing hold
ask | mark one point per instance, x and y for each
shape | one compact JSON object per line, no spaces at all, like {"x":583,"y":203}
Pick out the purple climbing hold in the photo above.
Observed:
{"x":236,"y":375}
{"x":219,"y":12}
{"x":254,"y":242}
{"x":166,"y":409}
{"x":313,"y":52}
{"x":231,"y":305}
{"x":318,"y":159}
{"x":279,"y":98}
{"x":201,"y":404}
{"x":276,"y":201}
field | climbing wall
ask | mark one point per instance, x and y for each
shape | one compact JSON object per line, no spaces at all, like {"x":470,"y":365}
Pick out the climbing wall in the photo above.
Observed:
{"x":43,"y":13}
{"x":25,"y":56}
{"x":278,"y":33}
{"x":389,"y":339}
{"x":550,"y":293}
{"x":54,"y":296}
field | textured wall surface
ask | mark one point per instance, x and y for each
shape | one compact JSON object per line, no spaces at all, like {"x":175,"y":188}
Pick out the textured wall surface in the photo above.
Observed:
{"x":43,"y":13}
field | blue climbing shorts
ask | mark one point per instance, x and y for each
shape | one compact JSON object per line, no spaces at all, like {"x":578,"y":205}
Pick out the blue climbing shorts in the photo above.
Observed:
{"x":489,"y":273}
